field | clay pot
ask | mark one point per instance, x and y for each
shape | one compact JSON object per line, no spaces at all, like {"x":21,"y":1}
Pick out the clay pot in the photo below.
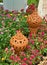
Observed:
{"x":19,"y":42}
{"x":34,"y":21}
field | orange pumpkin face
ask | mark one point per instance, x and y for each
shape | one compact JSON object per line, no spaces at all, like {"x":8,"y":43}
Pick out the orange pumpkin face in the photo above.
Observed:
{"x":34,"y":20}
{"x":19,"y":42}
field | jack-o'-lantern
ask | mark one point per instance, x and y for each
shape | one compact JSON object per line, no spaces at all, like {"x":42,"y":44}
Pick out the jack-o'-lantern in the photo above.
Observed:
{"x":19,"y":42}
{"x":34,"y":21}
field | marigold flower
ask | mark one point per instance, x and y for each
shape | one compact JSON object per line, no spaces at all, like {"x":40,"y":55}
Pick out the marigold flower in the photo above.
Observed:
{"x":18,"y":14}
{"x":25,"y":16}
{"x":11,"y":14}
{"x":3,"y":59}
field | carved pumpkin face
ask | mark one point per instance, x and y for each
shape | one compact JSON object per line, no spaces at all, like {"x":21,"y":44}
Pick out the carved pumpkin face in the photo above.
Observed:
{"x":19,"y":42}
{"x":34,"y":20}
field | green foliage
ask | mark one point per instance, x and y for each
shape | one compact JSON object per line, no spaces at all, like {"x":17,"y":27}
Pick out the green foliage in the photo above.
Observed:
{"x":1,"y":0}
{"x":44,"y":51}
{"x":8,"y":28}
{"x":32,"y":2}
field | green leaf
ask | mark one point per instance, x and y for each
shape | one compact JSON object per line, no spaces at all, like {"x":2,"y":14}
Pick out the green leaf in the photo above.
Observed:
{"x":32,"y":2}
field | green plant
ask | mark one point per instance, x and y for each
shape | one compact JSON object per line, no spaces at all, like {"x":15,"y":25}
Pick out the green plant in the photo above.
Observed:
{"x":32,"y":2}
{"x":1,"y":0}
{"x":44,"y":51}
{"x":8,"y":27}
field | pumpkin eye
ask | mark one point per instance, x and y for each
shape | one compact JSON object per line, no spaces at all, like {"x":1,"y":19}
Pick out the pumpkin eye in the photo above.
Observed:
{"x":13,"y":46}
{"x":20,"y":41}
{"x":33,"y":23}
{"x":36,"y":22}
{"x":24,"y":39}
{"x":16,"y":47}
{"x":15,"y":41}
{"x":20,"y":47}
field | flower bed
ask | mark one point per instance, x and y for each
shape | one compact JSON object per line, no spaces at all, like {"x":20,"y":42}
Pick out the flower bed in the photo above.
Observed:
{"x":10,"y":23}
